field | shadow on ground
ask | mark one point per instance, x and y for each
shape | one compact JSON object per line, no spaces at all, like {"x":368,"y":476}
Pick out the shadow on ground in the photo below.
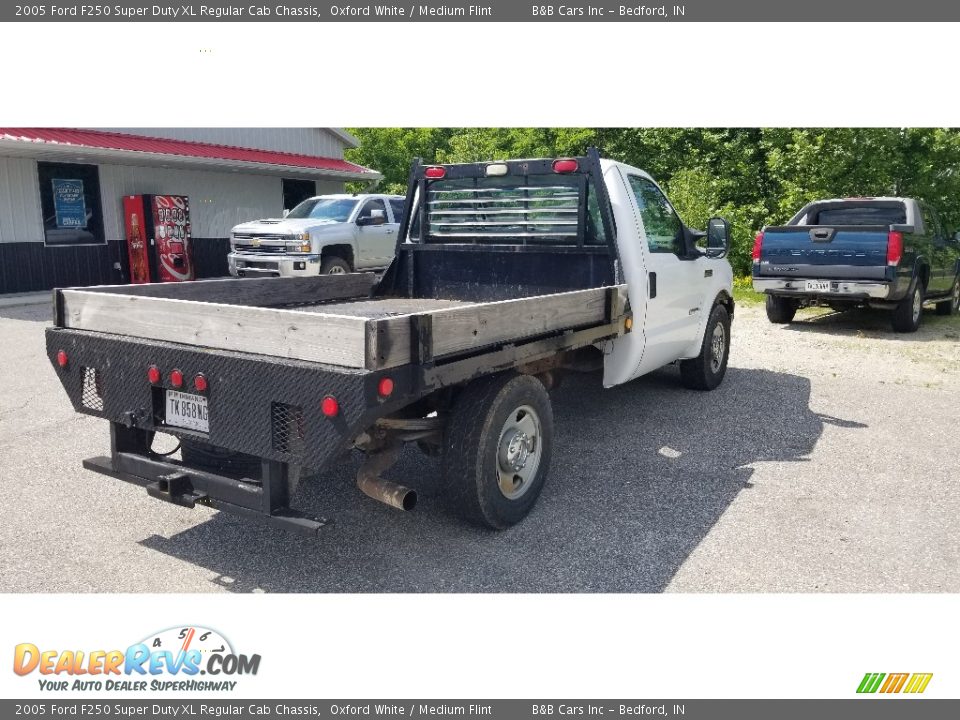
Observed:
{"x":640,"y":475}
{"x":866,"y":322}
{"x":38,"y":312}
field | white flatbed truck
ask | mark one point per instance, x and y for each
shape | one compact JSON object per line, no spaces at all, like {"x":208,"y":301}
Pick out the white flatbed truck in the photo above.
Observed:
{"x":507,"y":275}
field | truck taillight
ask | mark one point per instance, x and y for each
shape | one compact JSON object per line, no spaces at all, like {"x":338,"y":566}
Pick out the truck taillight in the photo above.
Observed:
{"x":435,"y":173}
{"x":894,"y":247}
{"x":566,"y":165}
{"x":757,"y":246}
{"x":176,"y":378}
{"x":329,"y":406}
{"x":385,"y":387}
{"x":62,"y":358}
{"x":153,"y":374}
{"x":200,"y":382}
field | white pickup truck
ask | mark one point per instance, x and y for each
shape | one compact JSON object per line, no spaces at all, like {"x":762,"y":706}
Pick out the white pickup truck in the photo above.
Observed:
{"x":507,"y":275}
{"x":324,"y":235}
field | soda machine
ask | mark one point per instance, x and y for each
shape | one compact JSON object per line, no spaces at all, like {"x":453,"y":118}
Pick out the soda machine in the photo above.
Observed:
{"x":158,"y":238}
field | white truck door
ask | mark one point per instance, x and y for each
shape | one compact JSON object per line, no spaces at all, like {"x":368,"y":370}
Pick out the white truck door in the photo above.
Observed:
{"x":375,"y":243}
{"x":674,"y":284}
{"x":665,"y":291}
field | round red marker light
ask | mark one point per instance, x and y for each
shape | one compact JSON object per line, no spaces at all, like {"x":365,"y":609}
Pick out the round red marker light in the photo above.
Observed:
{"x":565,"y":166}
{"x":200,"y":383}
{"x":385,"y":387}
{"x":62,"y":359}
{"x":153,"y":374}
{"x":176,"y":378}
{"x":330,"y":407}
{"x":435,"y":173}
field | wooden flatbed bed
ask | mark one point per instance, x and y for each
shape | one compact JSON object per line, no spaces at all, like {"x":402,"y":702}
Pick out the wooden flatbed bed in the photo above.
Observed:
{"x":328,"y":319}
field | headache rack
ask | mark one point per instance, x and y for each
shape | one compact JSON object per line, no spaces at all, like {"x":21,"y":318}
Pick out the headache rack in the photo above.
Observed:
{"x":554,"y":212}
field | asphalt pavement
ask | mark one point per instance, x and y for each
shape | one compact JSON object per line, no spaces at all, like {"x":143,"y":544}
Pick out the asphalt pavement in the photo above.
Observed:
{"x":826,"y":462}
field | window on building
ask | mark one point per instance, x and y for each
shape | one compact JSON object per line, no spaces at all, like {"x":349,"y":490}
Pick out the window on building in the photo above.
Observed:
{"x":296,"y":191}
{"x":70,"y":203}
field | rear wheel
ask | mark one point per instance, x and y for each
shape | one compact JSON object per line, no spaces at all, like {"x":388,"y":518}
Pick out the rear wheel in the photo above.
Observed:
{"x":334,"y":265}
{"x":706,"y":370}
{"x":951,"y":306}
{"x":907,"y":314}
{"x":780,"y":310}
{"x":497,"y":449}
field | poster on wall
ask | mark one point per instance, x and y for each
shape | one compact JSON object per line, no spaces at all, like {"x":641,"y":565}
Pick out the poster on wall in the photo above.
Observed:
{"x":69,"y":203}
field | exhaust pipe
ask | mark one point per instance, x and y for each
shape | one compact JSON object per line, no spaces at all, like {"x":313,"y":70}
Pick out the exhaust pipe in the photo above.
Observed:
{"x":374,"y":486}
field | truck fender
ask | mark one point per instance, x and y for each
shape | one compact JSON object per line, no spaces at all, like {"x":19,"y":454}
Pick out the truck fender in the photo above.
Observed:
{"x":721,"y":298}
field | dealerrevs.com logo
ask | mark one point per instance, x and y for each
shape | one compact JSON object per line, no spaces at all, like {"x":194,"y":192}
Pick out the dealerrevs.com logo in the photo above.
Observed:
{"x":179,"y":659}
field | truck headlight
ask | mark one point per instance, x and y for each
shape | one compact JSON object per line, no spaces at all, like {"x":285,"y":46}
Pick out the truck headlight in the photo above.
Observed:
{"x":301,"y":243}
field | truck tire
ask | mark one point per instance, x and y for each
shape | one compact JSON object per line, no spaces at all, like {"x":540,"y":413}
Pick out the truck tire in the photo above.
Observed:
{"x":950,"y":307}
{"x":204,"y":456}
{"x":497,"y":449}
{"x":780,"y":310}
{"x":334,"y":265}
{"x":706,"y":370}
{"x":906,"y":316}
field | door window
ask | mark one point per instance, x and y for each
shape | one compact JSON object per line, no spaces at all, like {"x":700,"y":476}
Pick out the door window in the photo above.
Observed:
{"x":931,"y":222}
{"x":370,"y":205}
{"x":397,"y":206}
{"x":660,"y":222}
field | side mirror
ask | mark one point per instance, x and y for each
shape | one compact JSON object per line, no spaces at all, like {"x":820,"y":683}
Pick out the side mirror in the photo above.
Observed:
{"x":718,"y":238}
{"x":286,"y":212}
{"x":376,"y":217}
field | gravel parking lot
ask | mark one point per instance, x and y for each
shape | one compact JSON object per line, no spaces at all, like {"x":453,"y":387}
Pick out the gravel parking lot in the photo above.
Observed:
{"x":826,"y":462}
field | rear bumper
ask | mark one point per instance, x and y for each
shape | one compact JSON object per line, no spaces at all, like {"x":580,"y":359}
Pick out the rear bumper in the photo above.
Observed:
{"x":263,"y":406}
{"x":847,"y":289}
{"x":254,"y":265}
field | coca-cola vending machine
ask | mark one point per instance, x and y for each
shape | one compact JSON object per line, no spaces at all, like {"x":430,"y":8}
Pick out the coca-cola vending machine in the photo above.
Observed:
{"x":158,"y":238}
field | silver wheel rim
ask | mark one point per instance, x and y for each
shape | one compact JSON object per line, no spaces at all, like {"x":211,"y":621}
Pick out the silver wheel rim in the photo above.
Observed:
{"x":336,"y":270}
{"x":518,"y":452}
{"x":718,"y":346}
{"x":917,"y":304}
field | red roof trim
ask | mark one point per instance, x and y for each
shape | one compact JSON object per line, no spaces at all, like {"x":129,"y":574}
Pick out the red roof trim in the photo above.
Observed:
{"x":183,"y":148}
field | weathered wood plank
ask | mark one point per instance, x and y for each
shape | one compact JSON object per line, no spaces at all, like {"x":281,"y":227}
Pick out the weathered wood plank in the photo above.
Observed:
{"x":333,"y":339}
{"x":255,"y":292}
{"x":461,"y":329}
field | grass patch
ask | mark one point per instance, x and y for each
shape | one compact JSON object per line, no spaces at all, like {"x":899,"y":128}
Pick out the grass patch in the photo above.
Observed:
{"x":743,"y":292}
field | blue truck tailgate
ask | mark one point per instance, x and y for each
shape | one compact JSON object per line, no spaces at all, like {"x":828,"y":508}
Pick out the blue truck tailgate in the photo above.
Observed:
{"x":818,"y":251}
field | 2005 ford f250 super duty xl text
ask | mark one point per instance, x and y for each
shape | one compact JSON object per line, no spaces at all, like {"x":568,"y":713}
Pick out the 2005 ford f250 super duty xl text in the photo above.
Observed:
{"x":507,"y":275}
{"x":883,"y":252}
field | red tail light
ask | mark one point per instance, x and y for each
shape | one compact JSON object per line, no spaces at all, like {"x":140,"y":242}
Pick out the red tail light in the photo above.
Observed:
{"x":153,"y":374}
{"x":565,"y":166}
{"x":757,"y":246}
{"x":435,"y":172}
{"x":200,"y":382}
{"x":330,"y":407}
{"x":894,"y":247}
{"x":176,"y":378}
{"x":62,"y":359}
{"x":385,"y":387}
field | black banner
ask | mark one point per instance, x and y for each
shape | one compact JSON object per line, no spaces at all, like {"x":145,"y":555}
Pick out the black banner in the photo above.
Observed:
{"x":858,"y":11}
{"x":853,"y":709}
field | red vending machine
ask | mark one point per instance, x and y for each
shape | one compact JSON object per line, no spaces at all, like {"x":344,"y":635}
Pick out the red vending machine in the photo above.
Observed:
{"x":158,"y":238}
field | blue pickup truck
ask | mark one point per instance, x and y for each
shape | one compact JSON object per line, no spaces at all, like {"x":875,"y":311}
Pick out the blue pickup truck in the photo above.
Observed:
{"x":890,"y":253}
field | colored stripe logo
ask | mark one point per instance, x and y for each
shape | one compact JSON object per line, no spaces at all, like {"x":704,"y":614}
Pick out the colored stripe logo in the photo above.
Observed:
{"x":913,"y":683}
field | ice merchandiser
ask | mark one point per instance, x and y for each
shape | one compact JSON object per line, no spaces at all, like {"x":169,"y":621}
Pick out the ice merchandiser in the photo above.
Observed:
{"x":158,"y":238}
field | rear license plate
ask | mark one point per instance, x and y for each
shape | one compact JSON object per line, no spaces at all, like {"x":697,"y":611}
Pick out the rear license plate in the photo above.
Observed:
{"x":187,"y":411}
{"x":818,"y":286}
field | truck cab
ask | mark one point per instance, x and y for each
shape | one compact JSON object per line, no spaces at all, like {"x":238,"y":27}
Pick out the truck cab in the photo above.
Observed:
{"x":323,"y":235}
